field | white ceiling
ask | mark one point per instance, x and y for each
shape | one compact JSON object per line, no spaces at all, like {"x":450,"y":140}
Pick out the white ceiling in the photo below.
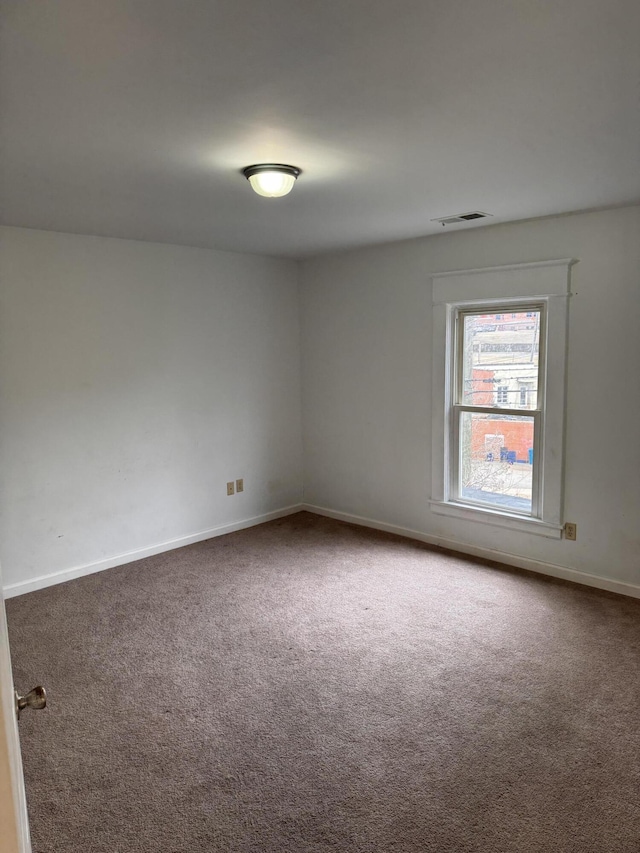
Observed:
{"x":133,"y":118}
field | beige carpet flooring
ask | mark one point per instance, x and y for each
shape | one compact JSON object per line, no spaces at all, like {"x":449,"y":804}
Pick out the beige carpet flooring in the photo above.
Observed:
{"x":307,"y":686}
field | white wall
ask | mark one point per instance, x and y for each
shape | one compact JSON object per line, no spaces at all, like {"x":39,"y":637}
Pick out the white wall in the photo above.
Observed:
{"x":366,"y":322}
{"x":135,"y":380}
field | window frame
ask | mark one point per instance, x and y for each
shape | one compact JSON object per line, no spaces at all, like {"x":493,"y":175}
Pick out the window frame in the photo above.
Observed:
{"x":458,"y":406}
{"x":544,"y":283}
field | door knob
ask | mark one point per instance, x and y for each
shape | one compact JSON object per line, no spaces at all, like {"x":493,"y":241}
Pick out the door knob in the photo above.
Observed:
{"x":35,"y":699}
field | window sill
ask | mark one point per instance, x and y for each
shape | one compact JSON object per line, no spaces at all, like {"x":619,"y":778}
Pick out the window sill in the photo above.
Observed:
{"x":497,"y":519}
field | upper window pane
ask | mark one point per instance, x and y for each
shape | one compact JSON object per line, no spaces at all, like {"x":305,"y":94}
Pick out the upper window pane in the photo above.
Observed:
{"x":500,"y":359}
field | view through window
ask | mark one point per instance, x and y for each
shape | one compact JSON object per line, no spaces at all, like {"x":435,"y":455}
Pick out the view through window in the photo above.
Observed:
{"x":498,"y":411}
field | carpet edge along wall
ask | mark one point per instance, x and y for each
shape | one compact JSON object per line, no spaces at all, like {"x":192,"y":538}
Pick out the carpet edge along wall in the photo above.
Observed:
{"x":546,"y":569}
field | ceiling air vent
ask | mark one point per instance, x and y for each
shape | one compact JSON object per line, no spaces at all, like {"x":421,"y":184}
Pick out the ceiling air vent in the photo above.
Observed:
{"x":462,"y":217}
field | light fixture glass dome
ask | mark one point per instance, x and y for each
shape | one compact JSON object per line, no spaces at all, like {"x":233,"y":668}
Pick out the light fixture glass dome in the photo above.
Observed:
{"x":271,"y":180}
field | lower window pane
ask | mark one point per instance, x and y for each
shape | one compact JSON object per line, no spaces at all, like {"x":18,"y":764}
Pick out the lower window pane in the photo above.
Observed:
{"x":496,"y":460}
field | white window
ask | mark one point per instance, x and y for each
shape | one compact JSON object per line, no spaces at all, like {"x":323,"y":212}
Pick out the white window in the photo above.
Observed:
{"x":491,"y":462}
{"x":482,"y":353}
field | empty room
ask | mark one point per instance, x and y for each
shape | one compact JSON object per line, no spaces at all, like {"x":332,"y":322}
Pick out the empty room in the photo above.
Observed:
{"x":319,"y":404}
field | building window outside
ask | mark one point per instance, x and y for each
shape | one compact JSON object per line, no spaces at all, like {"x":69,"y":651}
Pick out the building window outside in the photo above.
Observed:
{"x":499,"y":362}
{"x":525,"y":389}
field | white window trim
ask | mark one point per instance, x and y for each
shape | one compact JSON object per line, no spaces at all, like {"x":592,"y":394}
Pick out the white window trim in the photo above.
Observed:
{"x":547,"y":282}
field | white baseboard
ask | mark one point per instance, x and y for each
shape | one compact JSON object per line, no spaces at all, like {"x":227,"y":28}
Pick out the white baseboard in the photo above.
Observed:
{"x":550,"y":569}
{"x":43,"y":581}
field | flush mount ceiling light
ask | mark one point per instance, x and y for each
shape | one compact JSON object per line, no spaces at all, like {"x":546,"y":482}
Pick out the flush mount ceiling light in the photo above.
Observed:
{"x":271,"y":180}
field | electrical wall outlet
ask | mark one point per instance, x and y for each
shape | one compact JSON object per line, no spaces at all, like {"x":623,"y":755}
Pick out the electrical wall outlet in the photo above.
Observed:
{"x":230,"y":488}
{"x":571,"y":531}
{"x":240,"y":485}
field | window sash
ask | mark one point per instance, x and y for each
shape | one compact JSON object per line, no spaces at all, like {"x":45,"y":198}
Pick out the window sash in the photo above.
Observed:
{"x":489,"y":308}
{"x":455,"y":458}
